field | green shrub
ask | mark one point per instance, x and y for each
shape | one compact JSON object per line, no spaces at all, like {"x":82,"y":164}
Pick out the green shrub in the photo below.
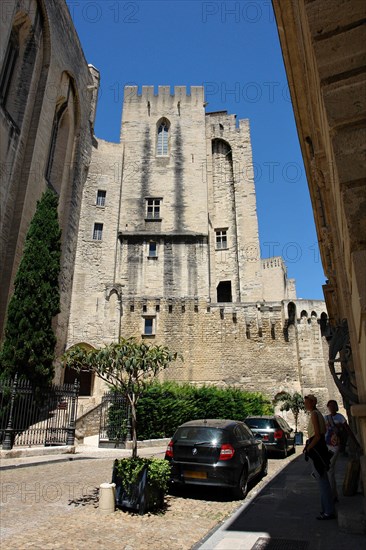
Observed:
{"x":158,"y":471}
{"x":164,"y":406}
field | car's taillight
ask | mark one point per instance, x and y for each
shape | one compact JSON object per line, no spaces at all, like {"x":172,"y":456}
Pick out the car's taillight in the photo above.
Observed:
{"x":265,"y":437}
{"x":169,"y":450}
{"x":278,"y":434}
{"x":227,"y":451}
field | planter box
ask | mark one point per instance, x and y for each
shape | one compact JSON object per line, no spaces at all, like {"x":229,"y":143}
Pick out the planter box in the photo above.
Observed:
{"x":140,"y":496}
{"x":299,"y":440}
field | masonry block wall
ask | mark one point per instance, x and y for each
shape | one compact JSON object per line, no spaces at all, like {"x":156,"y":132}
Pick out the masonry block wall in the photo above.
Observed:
{"x":47,"y":106}
{"x":275,"y":280}
{"x":251,"y":346}
{"x":245,"y":345}
{"x":95,"y":308}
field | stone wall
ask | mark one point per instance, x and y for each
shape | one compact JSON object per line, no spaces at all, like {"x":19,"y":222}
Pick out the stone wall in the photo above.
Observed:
{"x":88,"y":423}
{"x":51,"y":86}
{"x":276,"y":285}
{"x":250,"y":346}
{"x":323,"y":47}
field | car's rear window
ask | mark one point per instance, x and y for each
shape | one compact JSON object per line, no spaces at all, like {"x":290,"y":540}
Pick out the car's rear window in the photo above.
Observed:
{"x":199,"y":434}
{"x":259,"y":423}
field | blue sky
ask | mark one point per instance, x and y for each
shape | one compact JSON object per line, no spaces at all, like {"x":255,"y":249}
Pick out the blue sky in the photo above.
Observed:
{"x":232,"y":49}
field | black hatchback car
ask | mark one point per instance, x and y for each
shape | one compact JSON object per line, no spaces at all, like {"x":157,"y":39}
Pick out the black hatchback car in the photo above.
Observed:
{"x":274,"y":431}
{"x":219,"y":453}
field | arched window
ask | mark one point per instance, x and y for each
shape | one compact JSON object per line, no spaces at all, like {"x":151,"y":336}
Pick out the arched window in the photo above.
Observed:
{"x":222,"y":164}
{"x":52,"y":170}
{"x":62,"y":137}
{"x":23,"y":50}
{"x":163,"y":138}
{"x":222,"y":149}
{"x":291,"y":310}
{"x":324,"y":327}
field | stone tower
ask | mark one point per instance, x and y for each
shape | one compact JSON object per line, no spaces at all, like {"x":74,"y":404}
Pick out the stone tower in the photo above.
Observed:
{"x":164,"y":214}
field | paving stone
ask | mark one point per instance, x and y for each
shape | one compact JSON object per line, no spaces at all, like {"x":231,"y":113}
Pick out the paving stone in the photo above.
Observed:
{"x":54,"y":506}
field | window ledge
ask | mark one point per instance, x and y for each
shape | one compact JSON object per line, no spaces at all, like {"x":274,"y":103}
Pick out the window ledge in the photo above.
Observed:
{"x":147,"y":335}
{"x":153,"y":219}
{"x":152,"y":257}
{"x":100,"y":205}
{"x":226,"y":248}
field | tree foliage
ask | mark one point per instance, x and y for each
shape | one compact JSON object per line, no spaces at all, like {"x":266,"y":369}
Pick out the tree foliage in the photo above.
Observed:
{"x":29,"y":342}
{"x":291,"y":402}
{"x":128,"y":366}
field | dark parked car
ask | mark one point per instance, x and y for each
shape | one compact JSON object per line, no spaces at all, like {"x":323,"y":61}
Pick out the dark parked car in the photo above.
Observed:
{"x":274,"y":431}
{"x":219,"y":453}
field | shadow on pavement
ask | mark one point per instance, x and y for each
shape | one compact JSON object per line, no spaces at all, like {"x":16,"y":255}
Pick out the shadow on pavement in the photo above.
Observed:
{"x":283,"y":517}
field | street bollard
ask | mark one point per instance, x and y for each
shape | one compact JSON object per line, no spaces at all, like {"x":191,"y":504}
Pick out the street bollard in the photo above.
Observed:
{"x":107,"y":498}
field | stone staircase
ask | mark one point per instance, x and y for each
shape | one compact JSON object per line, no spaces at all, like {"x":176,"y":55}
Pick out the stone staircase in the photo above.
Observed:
{"x":88,"y":422}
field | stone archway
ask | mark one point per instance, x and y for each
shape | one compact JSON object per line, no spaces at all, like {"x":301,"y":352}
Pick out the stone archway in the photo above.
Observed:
{"x":85,"y":379}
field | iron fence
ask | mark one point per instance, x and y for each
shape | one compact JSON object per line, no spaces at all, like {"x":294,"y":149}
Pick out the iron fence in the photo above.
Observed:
{"x":34,"y":416}
{"x":115,"y":420}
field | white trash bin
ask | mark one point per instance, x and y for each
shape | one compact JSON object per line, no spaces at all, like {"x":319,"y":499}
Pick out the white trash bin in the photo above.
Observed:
{"x":107,"y":498}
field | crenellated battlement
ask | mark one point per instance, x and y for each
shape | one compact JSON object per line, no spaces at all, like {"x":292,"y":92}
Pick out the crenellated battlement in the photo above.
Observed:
{"x":132,"y":93}
{"x":219,"y":123}
{"x":274,"y":263}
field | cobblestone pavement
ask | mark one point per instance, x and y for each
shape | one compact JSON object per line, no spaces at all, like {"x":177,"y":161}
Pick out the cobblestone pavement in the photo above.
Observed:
{"x":52,"y":506}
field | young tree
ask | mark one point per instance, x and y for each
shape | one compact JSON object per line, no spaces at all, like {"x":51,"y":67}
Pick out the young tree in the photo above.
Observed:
{"x":29,"y":343}
{"x":128,"y":366}
{"x":291,"y":402}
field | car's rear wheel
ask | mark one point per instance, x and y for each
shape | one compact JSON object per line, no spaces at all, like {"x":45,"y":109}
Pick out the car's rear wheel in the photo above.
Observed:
{"x":241,"y":489}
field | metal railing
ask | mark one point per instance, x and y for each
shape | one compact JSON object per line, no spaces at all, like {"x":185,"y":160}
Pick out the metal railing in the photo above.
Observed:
{"x":37,"y":416}
{"x":115,"y":420}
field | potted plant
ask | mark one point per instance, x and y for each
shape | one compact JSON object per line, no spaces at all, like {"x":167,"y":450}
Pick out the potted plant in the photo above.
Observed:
{"x":141,"y":483}
{"x":129,"y":366}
